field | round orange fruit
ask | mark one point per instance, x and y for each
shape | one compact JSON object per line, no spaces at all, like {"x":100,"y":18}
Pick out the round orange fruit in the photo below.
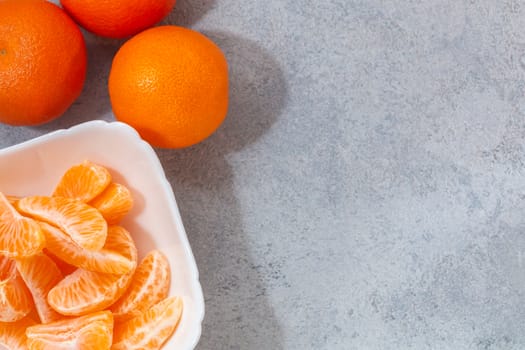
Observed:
{"x":171,"y":84}
{"x":117,"y":18}
{"x":42,"y":62}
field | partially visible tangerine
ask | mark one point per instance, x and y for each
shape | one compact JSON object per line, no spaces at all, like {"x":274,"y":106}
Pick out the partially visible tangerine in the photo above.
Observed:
{"x":19,"y":236}
{"x":13,"y":334}
{"x":86,"y":291}
{"x":15,"y":298}
{"x":43,"y":62}
{"x":149,"y":285}
{"x":83,"y":181}
{"x":40,"y":274}
{"x":83,"y":223}
{"x":103,"y":260}
{"x":89,"y":332}
{"x":117,"y":18}
{"x":114,"y":203}
{"x":151,"y":329}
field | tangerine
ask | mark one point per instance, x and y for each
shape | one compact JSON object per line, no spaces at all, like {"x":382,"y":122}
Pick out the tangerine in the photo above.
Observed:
{"x":42,"y":62}
{"x":171,"y":84}
{"x":117,"y":18}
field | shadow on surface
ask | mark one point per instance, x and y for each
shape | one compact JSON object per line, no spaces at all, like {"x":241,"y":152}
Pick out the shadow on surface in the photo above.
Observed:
{"x":257,"y":92}
{"x":238,"y":312}
{"x":188,"y":12}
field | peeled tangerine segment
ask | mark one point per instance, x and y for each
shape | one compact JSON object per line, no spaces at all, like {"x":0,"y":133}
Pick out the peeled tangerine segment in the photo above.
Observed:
{"x":12,"y":199}
{"x":83,"y":181}
{"x":40,"y":274}
{"x":149,"y":285}
{"x":15,"y":298}
{"x":13,"y":335}
{"x":104,"y":260}
{"x":93,"y":331}
{"x":151,"y":329}
{"x":83,"y":223}
{"x":114,"y":203}
{"x":84,"y":291}
{"x":63,"y":266}
{"x":19,"y":236}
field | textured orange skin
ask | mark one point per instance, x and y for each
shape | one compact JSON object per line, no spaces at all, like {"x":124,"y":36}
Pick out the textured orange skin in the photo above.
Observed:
{"x":117,"y":18}
{"x":171,"y":84}
{"x":42,"y":62}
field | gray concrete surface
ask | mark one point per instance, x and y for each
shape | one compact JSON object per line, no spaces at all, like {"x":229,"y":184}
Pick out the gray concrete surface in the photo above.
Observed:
{"x":367,"y":189}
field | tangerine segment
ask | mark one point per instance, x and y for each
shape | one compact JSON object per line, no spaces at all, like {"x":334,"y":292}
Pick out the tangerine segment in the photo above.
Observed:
{"x":40,"y":274}
{"x":43,"y":59}
{"x":15,"y":298}
{"x":149,"y":285}
{"x":86,"y":291}
{"x":19,"y":236}
{"x":104,"y":260}
{"x":63,"y":266}
{"x":84,"y":182}
{"x":114,"y":203}
{"x":13,"y":334}
{"x":83,"y":223}
{"x":93,"y":331}
{"x":12,"y":199}
{"x":151,"y":329}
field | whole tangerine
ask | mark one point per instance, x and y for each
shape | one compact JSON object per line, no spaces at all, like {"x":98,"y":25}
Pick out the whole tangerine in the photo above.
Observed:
{"x":117,"y":18}
{"x":171,"y":84}
{"x":42,"y":62}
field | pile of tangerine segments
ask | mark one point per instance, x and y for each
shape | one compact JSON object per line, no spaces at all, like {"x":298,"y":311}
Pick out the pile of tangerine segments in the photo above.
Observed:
{"x":70,"y":276}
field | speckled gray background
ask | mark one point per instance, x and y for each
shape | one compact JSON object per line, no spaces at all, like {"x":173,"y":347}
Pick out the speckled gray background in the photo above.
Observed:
{"x":367,"y":190}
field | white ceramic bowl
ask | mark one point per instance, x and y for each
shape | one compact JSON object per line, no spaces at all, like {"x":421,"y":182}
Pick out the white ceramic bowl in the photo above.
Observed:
{"x":35,"y":167}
